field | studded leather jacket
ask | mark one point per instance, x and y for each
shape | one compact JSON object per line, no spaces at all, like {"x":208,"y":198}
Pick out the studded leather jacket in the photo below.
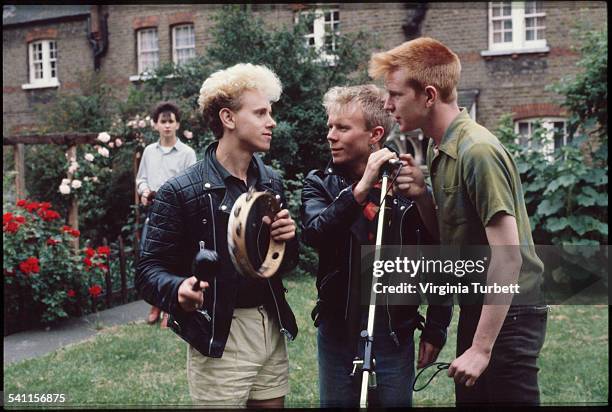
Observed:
{"x":331,"y":221}
{"x":190,"y":211}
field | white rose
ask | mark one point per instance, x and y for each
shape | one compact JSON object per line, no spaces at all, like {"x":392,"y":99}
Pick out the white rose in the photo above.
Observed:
{"x":118,"y":142}
{"x":111,"y":145}
{"x":73,"y":167}
{"x":131,"y":123}
{"x":64,"y":189}
{"x":142,"y":124}
{"x":104,"y":137}
{"x":103,"y":151}
{"x":76,"y":184}
{"x":94,"y":179}
{"x":89,"y":157}
{"x":188,"y":134}
{"x":65,"y":181}
{"x":148,"y":118}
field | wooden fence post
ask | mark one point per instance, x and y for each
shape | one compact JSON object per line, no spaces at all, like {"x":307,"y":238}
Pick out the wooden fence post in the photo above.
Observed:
{"x":124,"y":293}
{"x":136,"y":248}
{"x":73,"y":213}
{"x":19,"y":156}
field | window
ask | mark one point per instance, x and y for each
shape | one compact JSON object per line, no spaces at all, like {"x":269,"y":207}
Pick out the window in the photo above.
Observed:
{"x":555,"y":134}
{"x":323,"y":31}
{"x":183,"y":43}
{"x":516,"y":27}
{"x":148,"y":50}
{"x":43,"y":64}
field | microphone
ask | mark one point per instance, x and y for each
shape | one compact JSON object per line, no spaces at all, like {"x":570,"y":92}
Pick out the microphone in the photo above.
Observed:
{"x":205,"y":263}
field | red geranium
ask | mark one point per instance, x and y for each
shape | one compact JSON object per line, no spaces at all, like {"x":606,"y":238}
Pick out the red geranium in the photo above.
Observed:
{"x":75,"y":233}
{"x":103,"y":250}
{"x":20,"y":219}
{"x":30,"y":265}
{"x":66,"y":228}
{"x":11,"y":227}
{"x":48,"y":215}
{"x":102,"y":266}
{"x":7,"y":217}
{"x":89,"y":252}
{"x":21,"y":202}
{"x":44,"y":205}
{"x":88,"y":262}
{"x":95,"y":291}
{"x":31,"y":207}
{"x":71,"y":293}
{"x":52,"y":242}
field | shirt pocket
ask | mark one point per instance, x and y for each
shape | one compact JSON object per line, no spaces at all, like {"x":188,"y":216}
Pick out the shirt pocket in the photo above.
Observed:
{"x":452,"y":208}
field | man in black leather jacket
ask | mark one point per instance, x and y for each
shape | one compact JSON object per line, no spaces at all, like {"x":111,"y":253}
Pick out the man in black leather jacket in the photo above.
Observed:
{"x":338,"y":215}
{"x":236,"y":324}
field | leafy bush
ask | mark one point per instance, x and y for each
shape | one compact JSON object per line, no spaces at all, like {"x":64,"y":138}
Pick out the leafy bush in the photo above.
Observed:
{"x":45,"y":279}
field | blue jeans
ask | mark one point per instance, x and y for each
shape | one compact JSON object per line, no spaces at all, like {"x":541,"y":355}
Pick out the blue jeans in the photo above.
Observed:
{"x":394,"y":366}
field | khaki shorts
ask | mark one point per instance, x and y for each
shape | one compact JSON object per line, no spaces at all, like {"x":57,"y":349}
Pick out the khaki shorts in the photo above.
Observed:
{"x":254,"y":364}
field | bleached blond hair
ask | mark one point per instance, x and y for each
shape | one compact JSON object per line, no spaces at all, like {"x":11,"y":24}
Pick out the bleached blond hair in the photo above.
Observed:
{"x":427,"y":61}
{"x":223,"y":89}
{"x":368,"y":97}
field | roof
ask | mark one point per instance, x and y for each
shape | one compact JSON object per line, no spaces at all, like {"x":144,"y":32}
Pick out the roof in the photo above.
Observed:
{"x":26,"y":13}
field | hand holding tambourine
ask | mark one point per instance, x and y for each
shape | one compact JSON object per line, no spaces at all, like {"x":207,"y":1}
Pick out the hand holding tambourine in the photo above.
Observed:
{"x":250,"y":213}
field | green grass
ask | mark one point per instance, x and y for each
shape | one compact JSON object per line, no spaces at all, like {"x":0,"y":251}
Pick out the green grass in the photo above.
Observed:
{"x":140,"y":365}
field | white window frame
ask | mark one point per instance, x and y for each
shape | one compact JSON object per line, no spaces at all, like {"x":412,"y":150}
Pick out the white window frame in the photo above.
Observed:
{"x":519,"y":43}
{"x":548,"y":124}
{"x":176,"y":48}
{"x":139,"y":50}
{"x":47,"y":79}
{"x":319,"y":31}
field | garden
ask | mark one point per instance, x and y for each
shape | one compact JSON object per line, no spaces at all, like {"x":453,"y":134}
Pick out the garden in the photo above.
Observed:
{"x":54,"y":270}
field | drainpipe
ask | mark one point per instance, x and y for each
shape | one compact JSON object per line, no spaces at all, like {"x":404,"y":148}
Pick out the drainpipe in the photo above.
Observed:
{"x":97,"y":34}
{"x":416,"y":15}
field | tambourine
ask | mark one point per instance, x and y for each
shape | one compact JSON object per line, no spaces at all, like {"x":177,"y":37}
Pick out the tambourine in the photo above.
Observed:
{"x":244,"y":231}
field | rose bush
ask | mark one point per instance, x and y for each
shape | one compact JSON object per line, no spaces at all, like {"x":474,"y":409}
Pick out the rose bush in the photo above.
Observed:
{"x":45,"y":278}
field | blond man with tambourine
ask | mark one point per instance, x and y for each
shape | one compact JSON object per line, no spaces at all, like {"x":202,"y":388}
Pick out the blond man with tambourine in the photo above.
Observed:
{"x":218,"y":238}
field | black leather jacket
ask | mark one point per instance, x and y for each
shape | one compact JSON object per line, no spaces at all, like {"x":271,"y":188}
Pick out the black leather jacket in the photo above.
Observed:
{"x":191,"y":208}
{"x":331,"y":221}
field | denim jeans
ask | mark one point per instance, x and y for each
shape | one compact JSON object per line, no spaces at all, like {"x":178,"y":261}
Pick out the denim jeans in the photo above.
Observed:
{"x":394,"y":366}
{"x":512,"y":374}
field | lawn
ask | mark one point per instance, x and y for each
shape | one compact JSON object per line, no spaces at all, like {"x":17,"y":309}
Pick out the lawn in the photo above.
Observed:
{"x":140,"y":365}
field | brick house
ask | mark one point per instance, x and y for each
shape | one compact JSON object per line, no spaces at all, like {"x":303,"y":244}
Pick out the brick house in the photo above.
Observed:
{"x":509,"y":50}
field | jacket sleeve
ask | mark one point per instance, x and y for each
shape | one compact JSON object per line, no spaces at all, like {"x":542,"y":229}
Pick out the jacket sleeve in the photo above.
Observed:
{"x":322,"y":219}
{"x":156,"y":273}
{"x":436,"y":324}
{"x":291,"y":257}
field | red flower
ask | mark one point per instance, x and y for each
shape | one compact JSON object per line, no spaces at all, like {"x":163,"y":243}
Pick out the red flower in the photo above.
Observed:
{"x":30,"y":265}
{"x":7,"y":217}
{"x":66,"y":228}
{"x":31,"y":207}
{"x":103,"y":250}
{"x":11,"y":227}
{"x":20,"y":219}
{"x":74,"y":233}
{"x":44,"y":205}
{"x":88,"y":262}
{"x":71,"y":293}
{"x":95,"y":291}
{"x":21,"y":202}
{"x":89,"y":252}
{"x":52,"y":242}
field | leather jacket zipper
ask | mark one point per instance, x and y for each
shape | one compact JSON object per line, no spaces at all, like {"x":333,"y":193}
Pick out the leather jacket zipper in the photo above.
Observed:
{"x":348,"y":286}
{"x":282,"y":328}
{"x":212,"y":335}
{"x":391,"y":331}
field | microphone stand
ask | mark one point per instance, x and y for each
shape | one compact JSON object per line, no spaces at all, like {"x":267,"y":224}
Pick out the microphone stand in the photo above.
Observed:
{"x":368,"y":363}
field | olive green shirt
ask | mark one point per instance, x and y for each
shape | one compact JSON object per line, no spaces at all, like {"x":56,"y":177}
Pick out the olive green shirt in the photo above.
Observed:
{"x":473,"y":178}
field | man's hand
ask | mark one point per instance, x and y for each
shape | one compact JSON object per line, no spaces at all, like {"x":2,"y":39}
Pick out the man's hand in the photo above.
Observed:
{"x":144,"y":198}
{"x":428,"y":353}
{"x":468,"y":367}
{"x":282,"y":228}
{"x":410,"y":182}
{"x":190,"y":299}
{"x":371,"y":175}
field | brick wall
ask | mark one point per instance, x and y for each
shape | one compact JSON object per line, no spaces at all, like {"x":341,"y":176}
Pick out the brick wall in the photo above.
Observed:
{"x":74,"y":54}
{"x":509,"y":83}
